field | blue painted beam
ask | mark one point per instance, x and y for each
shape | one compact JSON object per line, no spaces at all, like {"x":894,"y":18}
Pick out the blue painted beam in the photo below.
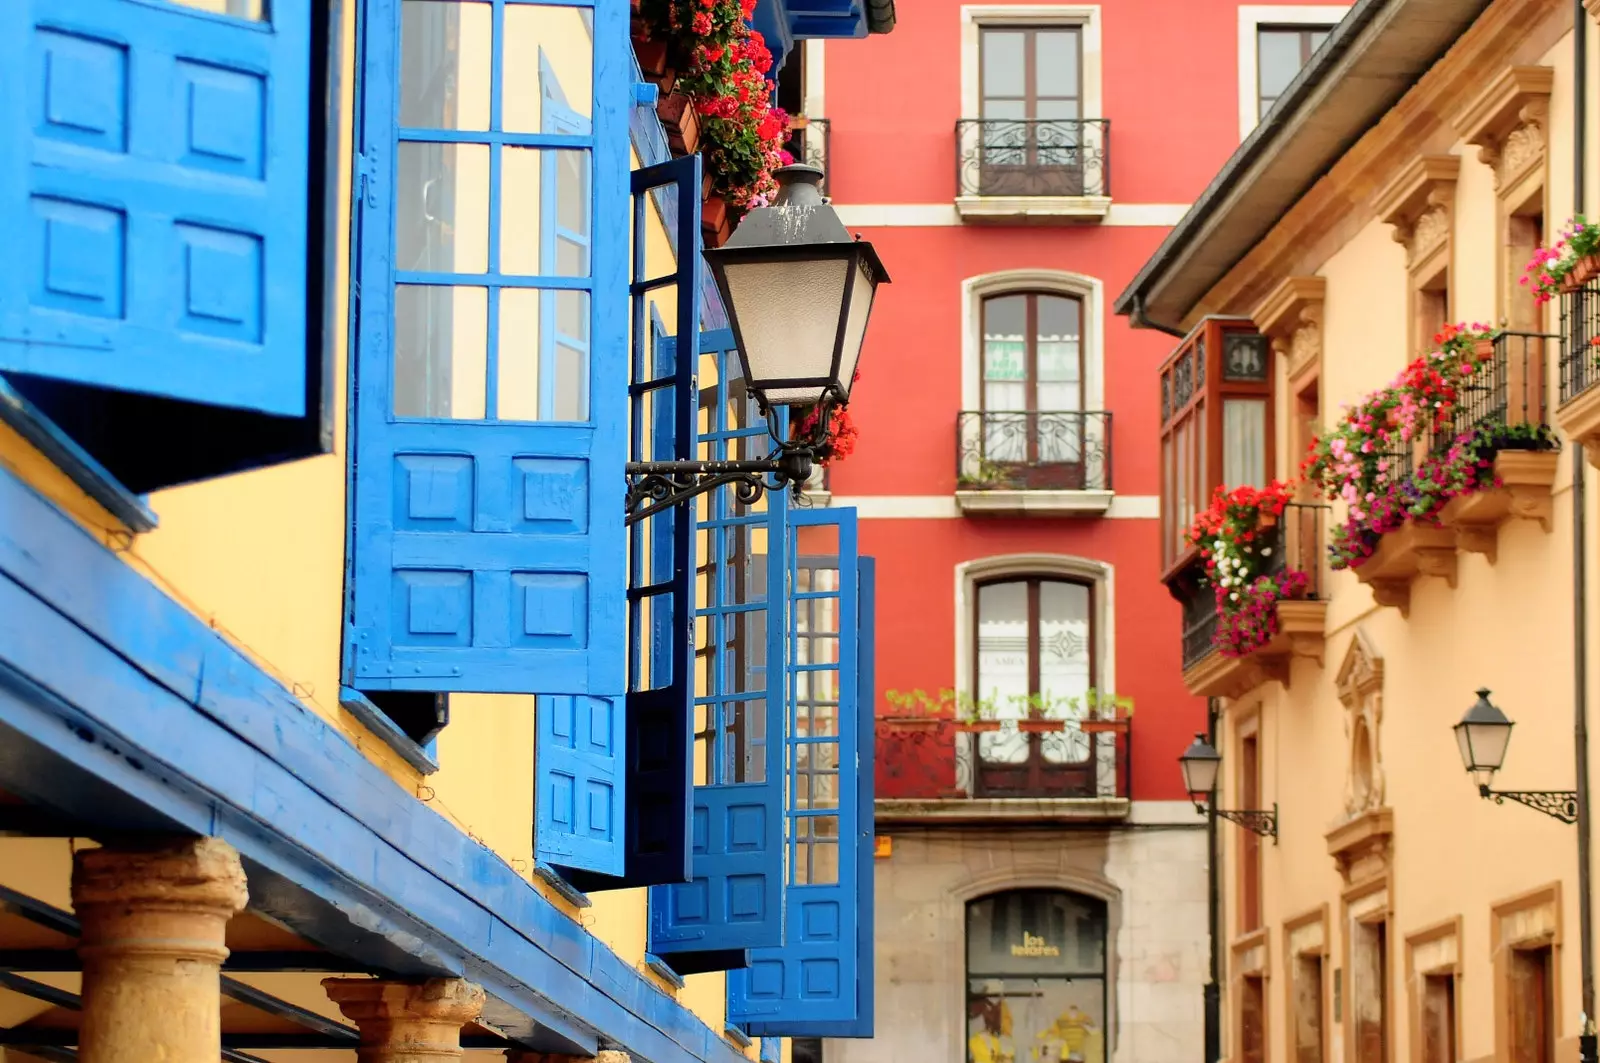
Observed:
{"x":119,"y":706}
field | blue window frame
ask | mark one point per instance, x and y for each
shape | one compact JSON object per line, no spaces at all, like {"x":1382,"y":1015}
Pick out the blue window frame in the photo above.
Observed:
{"x":614,"y":812}
{"x":487,"y":550}
{"x":734,"y":899}
{"x":818,"y":983}
{"x":157,"y":166}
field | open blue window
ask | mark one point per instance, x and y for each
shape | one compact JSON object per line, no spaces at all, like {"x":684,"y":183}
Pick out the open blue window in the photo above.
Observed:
{"x":603,"y":841}
{"x":161,"y":305}
{"x":733,"y":901}
{"x":489,"y":419}
{"x":819,"y":983}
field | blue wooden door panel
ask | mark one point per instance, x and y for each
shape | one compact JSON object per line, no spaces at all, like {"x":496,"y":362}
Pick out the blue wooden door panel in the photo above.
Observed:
{"x":734,"y":899}
{"x":862,"y":1025}
{"x":153,"y":188}
{"x":487,"y":553}
{"x":582,"y":787}
{"x":814,"y":977}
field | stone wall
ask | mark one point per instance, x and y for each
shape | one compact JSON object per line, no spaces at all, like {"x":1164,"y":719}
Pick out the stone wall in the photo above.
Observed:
{"x":1152,"y":878}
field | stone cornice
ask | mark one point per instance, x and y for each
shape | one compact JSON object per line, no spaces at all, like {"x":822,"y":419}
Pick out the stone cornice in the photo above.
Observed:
{"x":1292,"y":318}
{"x":1507,"y":121}
{"x":1420,"y":203}
{"x":1341,"y":202}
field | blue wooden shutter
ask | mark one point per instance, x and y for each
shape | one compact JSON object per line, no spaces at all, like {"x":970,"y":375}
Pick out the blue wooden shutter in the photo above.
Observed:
{"x":659,"y":725}
{"x":818,"y":984}
{"x":734,"y":899}
{"x":487,"y":545}
{"x":582,"y":788}
{"x":153,"y":189}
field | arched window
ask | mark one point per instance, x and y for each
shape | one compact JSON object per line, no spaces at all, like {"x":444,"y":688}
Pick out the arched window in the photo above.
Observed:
{"x":1036,"y":977}
{"x":1035,"y":647}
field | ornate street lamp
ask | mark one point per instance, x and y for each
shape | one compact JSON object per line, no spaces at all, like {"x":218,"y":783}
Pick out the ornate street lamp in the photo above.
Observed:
{"x":798,"y":290}
{"x":1482,"y":736}
{"x":1201,"y":763}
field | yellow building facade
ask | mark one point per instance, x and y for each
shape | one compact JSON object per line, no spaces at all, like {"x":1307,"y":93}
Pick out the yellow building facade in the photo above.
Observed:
{"x":1386,"y":913}
{"x":261,"y":560}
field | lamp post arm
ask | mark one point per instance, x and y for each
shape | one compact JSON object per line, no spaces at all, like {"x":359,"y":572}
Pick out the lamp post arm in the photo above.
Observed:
{"x":1258,"y":820}
{"x":1558,"y":804}
{"x":657,"y":485}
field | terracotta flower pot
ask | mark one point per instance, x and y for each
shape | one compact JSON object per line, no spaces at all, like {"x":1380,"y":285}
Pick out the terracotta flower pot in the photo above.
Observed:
{"x":978,"y":726}
{"x":716,"y":223}
{"x":1039,"y":727}
{"x":1586,"y":270}
{"x":682,"y":124}
{"x":1095,"y":727}
{"x":652,"y":56}
{"x":915,"y":724}
{"x":1483,"y":350}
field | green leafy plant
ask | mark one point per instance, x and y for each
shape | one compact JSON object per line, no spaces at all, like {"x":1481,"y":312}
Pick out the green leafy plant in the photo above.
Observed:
{"x":965,"y":708}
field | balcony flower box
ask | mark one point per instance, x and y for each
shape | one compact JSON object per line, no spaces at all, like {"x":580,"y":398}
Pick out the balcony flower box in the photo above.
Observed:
{"x":1040,"y":727}
{"x":978,"y":726}
{"x":1094,"y":727}
{"x":678,"y":118}
{"x":912,"y":723}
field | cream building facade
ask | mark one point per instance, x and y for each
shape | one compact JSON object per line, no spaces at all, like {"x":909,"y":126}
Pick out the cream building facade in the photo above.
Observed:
{"x":1401,"y":184}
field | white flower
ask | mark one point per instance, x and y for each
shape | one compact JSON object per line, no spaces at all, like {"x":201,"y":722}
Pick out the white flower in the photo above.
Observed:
{"x":1235,"y":597}
{"x":1266,"y":552}
{"x":1219,"y":545}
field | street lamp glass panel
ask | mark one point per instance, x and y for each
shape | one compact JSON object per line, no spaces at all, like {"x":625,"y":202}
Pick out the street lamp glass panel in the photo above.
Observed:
{"x":787,"y":309}
{"x":863,"y":286}
{"x":1200,"y":763}
{"x":1482,"y":737}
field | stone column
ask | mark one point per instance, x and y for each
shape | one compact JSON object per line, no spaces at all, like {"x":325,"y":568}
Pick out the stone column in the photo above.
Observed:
{"x":407,"y":1022}
{"x":153,"y":920}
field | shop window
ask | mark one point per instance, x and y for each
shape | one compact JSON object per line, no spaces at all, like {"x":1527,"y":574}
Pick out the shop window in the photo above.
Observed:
{"x":1036,"y":977}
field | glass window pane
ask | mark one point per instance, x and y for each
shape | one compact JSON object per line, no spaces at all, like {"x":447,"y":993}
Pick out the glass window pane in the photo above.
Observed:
{"x":1003,"y":643}
{"x":440,"y":351}
{"x":254,"y":10}
{"x":1002,"y":63}
{"x":442,"y":208}
{"x":1036,"y":932}
{"x":544,"y":212}
{"x":1244,"y":441}
{"x":543,"y":355}
{"x":444,"y":64}
{"x":1053,"y":1020}
{"x":548,"y":56}
{"x":1277,"y":61}
{"x":1055,"y":63}
{"x":1064,"y":639}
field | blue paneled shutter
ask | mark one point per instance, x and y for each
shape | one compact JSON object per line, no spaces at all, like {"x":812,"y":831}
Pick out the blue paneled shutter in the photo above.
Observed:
{"x":650,"y":760}
{"x":818,"y":984}
{"x":487,"y":548}
{"x":734,"y":899}
{"x":153,"y":191}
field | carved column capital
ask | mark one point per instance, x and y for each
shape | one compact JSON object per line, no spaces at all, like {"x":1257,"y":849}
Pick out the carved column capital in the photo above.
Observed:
{"x":407,"y":1021}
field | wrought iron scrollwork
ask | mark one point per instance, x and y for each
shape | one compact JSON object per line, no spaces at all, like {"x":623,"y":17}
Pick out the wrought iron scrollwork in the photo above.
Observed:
{"x":657,"y":485}
{"x":1258,"y":820}
{"x":1033,"y":450}
{"x":1557,"y":804}
{"x":1032,"y":157}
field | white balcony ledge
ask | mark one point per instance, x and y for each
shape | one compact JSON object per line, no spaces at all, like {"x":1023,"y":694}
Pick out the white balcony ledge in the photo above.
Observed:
{"x":1011,"y":503}
{"x":1033,"y":210}
{"x":1001,"y":809}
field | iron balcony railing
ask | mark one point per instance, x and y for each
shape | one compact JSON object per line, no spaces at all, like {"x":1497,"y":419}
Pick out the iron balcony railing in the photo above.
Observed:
{"x":808,"y":143}
{"x":939,"y":758}
{"x":1580,"y":331}
{"x":1033,"y":157}
{"x":1506,"y":391}
{"x":1033,"y":450}
{"x":1295,"y":538}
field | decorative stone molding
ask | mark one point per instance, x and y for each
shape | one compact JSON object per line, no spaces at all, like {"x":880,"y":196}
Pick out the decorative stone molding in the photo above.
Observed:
{"x":1580,"y":419}
{"x":407,"y":1021}
{"x":1291,"y":317}
{"x":1361,"y":847}
{"x":153,"y":923}
{"x":1250,"y":954}
{"x":1420,"y":203}
{"x":1360,"y":687}
{"x":1508,"y":122}
{"x":1402,"y":556}
{"x":1525,"y":478}
{"x":1300,"y":634}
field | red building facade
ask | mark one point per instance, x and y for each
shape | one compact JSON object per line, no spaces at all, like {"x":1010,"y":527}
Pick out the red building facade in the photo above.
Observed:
{"x":1041,"y":881}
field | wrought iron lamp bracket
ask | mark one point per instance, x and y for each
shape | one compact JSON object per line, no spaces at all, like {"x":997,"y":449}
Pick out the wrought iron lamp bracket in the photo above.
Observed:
{"x":1557,"y":804}
{"x":1259,"y":821}
{"x":657,"y":485}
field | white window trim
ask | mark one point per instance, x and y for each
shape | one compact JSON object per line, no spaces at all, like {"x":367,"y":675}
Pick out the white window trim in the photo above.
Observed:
{"x":1251,"y":18}
{"x":974,"y":16}
{"x":1088,"y":289}
{"x":1101,"y":576}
